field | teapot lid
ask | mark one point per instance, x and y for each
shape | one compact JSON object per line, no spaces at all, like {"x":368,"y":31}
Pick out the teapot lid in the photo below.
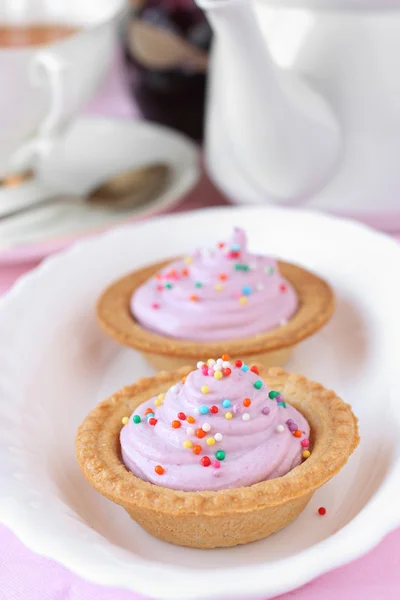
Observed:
{"x":336,"y":4}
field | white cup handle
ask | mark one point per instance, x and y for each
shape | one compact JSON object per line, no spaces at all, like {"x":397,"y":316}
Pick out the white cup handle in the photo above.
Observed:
{"x":50,"y":65}
{"x":48,"y":69}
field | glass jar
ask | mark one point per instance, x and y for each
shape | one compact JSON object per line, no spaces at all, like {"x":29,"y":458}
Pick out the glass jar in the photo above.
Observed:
{"x":166,"y":49}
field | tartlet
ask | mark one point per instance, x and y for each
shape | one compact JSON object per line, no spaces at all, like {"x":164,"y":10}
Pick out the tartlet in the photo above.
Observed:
{"x":309,"y":305}
{"x":227,"y":517}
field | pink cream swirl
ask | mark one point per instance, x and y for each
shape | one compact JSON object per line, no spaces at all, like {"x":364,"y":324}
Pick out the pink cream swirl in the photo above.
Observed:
{"x":222,"y":294}
{"x":243,"y":433}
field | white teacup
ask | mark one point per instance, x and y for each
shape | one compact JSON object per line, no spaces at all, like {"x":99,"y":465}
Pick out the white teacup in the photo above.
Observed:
{"x":43,"y":87}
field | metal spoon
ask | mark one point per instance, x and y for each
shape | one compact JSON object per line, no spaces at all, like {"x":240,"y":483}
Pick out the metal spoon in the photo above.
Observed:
{"x":123,"y":191}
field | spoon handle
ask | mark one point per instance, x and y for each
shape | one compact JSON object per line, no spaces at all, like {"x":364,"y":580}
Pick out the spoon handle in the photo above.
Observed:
{"x":40,"y":204}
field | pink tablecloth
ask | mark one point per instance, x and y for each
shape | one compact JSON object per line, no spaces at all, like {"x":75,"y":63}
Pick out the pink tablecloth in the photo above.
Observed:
{"x":25,"y":576}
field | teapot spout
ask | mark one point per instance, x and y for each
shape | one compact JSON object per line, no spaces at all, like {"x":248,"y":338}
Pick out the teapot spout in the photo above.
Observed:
{"x":282,"y":133}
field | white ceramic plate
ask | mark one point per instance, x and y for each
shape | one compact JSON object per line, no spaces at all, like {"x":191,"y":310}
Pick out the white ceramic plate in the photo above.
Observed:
{"x":92,"y":150}
{"x":55,"y":364}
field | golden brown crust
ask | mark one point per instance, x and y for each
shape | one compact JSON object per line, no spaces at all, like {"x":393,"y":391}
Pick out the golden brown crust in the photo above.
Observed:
{"x":316,"y":307}
{"x":334,"y":438}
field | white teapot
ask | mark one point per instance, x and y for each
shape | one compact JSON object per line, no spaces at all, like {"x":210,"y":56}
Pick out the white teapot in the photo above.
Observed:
{"x":304,"y":104}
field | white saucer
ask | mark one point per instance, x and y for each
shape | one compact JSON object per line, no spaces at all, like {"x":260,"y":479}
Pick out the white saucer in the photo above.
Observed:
{"x":92,"y":150}
{"x":55,"y":364}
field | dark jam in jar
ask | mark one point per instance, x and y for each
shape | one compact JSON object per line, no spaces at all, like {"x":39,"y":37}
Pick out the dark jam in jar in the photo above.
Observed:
{"x":166,"y":49}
